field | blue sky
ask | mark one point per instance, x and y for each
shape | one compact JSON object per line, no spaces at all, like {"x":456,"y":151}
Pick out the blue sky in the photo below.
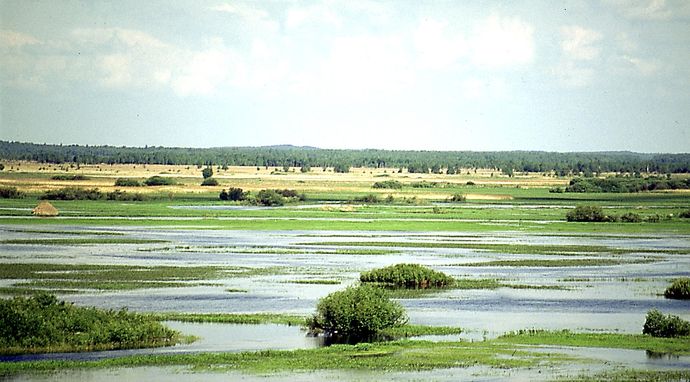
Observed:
{"x":426,"y":75}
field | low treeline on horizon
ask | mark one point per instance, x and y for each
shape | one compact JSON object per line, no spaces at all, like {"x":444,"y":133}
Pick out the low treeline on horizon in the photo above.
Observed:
{"x":447,"y":162}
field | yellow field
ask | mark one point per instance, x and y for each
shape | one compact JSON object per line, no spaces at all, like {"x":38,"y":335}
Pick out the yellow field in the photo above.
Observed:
{"x":35,"y":177}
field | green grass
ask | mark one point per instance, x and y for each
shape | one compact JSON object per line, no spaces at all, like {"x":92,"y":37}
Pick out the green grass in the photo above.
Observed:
{"x":81,"y":241}
{"x":633,"y":375}
{"x":78,"y":233}
{"x":313,"y":281}
{"x":402,"y":355}
{"x":232,"y":318}
{"x":105,"y":277}
{"x":547,"y":263}
{"x":679,"y":346}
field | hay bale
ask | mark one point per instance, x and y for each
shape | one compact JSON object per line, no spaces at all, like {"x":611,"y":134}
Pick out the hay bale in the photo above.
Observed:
{"x":45,"y":209}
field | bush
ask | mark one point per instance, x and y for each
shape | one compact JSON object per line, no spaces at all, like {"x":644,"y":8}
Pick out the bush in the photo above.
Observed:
{"x":684,"y":214}
{"x":631,"y":217}
{"x":209,"y":182}
{"x":73,"y":193}
{"x":586,"y":214}
{"x":556,"y":190}
{"x":207,"y":172}
{"x":11,"y":193}
{"x":470,"y":183}
{"x":269,"y":198}
{"x":679,"y":289}
{"x":124,"y":196}
{"x":233,"y":194}
{"x":408,"y":276}
{"x":369,"y":198}
{"x":127,"y":182}
{"x":69,"y":177}
{"x":391,"y":184}
{"x":42,"y":322}
{"x":359,"y":312}
{"x":159,"y":181}
{"x":457,"y":198}
{"x":658,"y":325}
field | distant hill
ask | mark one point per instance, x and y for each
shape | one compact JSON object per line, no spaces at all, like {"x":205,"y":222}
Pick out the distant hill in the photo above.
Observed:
{"x":414,"y":161}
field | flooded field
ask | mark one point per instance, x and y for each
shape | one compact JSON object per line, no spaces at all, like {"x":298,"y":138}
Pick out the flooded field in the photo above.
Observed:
{"x":584,"y":283}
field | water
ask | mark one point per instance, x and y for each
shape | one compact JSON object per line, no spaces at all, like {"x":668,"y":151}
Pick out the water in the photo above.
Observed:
{"x":611,"y":298}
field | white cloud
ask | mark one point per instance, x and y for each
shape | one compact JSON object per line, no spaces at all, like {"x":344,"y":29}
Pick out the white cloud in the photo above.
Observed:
{"x":12,"y":39}
{"x":579,"y":43}
{"x":242,"y":10}
{"x":652,"y":9}
{"x":436,"y":47}
{"x":500,"y":42}
{"x":319,"y":14}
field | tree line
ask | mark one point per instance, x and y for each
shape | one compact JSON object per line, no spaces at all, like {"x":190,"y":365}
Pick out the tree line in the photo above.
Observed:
{"x":507,"y":162}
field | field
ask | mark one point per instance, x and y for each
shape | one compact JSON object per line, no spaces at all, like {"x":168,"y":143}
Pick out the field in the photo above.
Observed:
{"x":537,"y":297}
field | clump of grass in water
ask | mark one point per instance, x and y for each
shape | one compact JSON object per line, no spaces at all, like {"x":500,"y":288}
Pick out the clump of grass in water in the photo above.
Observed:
{"x":407,"y":276}
{"x":42,"y":324}
{"x":679,"y":289}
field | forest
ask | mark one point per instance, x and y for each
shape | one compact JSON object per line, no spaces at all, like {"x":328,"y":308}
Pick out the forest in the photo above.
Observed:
{"x":450,"y":162}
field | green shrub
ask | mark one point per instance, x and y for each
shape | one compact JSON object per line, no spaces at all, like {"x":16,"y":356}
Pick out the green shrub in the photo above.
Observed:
{"x":470,"y":183}
{"x":684,"y":214}
{"x":207,"y":172}
{"x":556,"y":190}
{"x":268,"y":198}
{"x":369,"y":198}
{"x":69,"y":177}
{"x":457,"y":198}
{"x":658,"y":325}
{"x":42,"y":322}
{"x":631,"y":217}
{"x":586,"y":214}
{"x":125,"y":196}
{"x":127,"y":182}
{"x":159,"y":181}
{"x":408,"y":276}
{"x":358,"y":311}
{"x":209,"y":182}
{"x":233,"y":194}
{"x":73,"y":193}
{"x":11,"y":193}
{"x":423,"y":184}
{"x":390,"y":184}
{"x":679,"y":289}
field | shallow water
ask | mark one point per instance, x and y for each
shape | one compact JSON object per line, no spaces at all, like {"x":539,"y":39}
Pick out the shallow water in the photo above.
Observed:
{"x":612,"y":298}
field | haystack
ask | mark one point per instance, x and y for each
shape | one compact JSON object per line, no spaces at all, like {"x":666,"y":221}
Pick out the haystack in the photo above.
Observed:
{"x":45,"y":209}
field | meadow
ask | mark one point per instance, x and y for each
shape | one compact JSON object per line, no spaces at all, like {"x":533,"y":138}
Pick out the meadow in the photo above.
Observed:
{"x":534,"y":295}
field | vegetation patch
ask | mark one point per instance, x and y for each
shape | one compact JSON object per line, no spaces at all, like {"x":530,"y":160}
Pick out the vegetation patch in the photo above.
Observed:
{"x":231,"y":318}
{"x":356,"y":312}
{"x":157,"y":180}
{"x":127,"y":182}
{"x":658,"y":325}
{"x":548,"y":263}
{"x":402,"y":355}
{"x":7,"y":192}
{"x":69,"y":177}
{"x":634,"y":375}
{"x":604,"y":340}
{"x":81,"y":241}
{"x":679,"y":289}
{"x":104,"y":277}
{"x":314,"y":281}
{"x":388,"y":184}
{"x":625,"y":184}
{"x":42,"y":324}
{"x":407,"y":276}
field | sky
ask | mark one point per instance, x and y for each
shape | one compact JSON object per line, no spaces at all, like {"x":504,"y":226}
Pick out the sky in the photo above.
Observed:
{"x":598,"y":75}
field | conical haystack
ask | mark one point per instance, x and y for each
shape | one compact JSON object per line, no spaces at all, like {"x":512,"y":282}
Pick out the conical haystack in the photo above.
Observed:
{"x":45,"y":209}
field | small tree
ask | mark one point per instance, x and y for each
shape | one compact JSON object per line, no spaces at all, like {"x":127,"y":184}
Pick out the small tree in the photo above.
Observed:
{"x":358,"y":311}
{"x":207,"y":172}
{"x":209,"y":182}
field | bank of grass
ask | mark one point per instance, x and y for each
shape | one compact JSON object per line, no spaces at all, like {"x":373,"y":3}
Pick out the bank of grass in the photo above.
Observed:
{"x":105,"y":277}
{"x":678,"y":346}
{"x":534,"y":249}
{"x":42,"y":324}
{"x":401,"y":355}
{"x":633,"y":375}
{"x":70,"y":233}
{"x":81,"y":241}
{"x":553,"y":263}
{"x":314,"y":282}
